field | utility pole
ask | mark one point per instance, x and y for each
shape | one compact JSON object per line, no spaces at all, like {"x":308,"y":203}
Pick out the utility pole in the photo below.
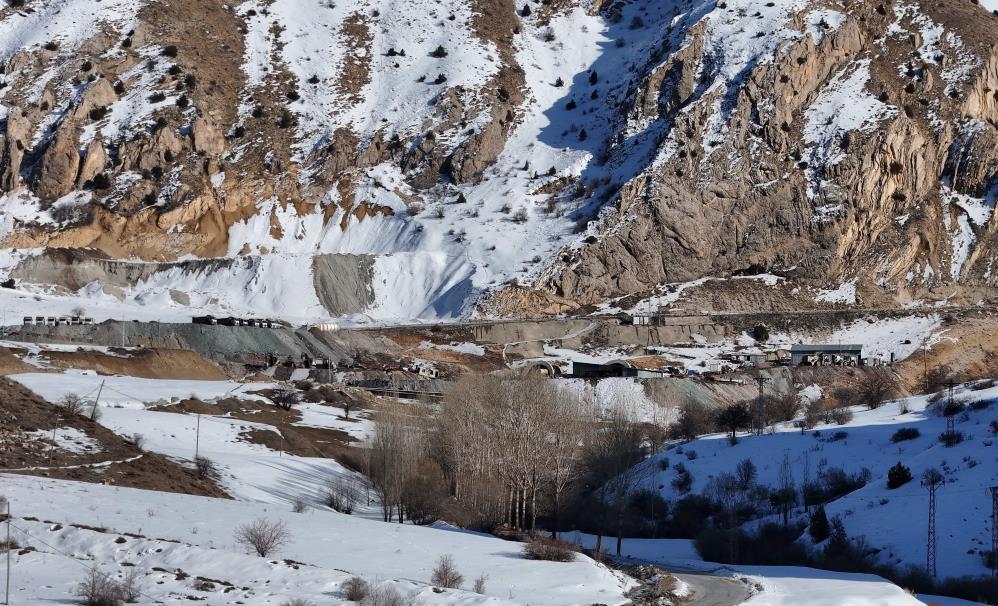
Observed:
{"x":93,"y":412}
{"x":760,"y":406}
{"x":925,"y":369}
{"x":58,"y":419}
{"x":931,"y":480}
{"x":197,"y":437}
{"x":994,"y":532}
{"x":6,"y":593}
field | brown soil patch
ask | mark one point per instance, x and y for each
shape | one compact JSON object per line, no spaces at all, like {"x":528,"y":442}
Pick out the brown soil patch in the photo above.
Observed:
{"x":22,"y":411}
{"x":11,"y":364}
{"x":293,"y":439}
{"x":144,"y":363}
{"x":969,"y":346}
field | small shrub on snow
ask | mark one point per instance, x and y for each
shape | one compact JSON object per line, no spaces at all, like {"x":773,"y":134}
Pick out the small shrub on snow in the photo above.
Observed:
{"x":683,"y":481}
{"x":950,"y":438}
{"x":980,"y":404}
{"x":206,"y":469}
{"x":549,"y":549}
{"x":99,"y":589}
{"x":898,"y":476}
{"x":445,"y":573}
{"x":386,"y":595}
{"x":905,"y":433}
{"x":479,"y":586}
{"x":952,"y":409}
{"x":841,"y":416}
{"x":355,"y":589}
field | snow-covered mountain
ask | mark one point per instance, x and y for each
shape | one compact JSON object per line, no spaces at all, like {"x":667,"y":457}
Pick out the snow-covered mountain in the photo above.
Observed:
{"x":401,"y":160}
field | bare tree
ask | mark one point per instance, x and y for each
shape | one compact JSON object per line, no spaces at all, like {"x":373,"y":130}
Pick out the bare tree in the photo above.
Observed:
{"x":285,"y":398}
{"x":785,"y":496}
{"x":568,"y":433}
{"x":263,"y":536}
{"x":72,"y":404}
{"x":206,"y":469}
{"x":613,"y":451}
{"x":783,"y":407}
{"x":445,"y":573}
{"x":734,"y":417}
{"x":341,"y":494}
{"x":99,"y":589}
{"x":694,"y":419}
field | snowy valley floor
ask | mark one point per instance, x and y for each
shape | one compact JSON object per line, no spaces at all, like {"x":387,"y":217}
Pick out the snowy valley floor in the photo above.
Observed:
{"x":178,"y":543}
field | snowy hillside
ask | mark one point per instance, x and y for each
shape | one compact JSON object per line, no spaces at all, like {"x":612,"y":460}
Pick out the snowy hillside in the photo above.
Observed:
{"x":448,"y":151}
{"x":892,"y":521}
{"x":249,"y":471}
{"x":160,"y":535}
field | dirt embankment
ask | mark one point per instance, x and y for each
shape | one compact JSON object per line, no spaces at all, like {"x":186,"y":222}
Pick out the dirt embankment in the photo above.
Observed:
{"x":26,"y":448}
{"x":969,"y":347}
{"x":144,"y":363}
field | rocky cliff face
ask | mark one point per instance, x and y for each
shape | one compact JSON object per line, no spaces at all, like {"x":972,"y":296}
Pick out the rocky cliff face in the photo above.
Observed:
{"x":584,"y":150}
{"x":861,"y":146}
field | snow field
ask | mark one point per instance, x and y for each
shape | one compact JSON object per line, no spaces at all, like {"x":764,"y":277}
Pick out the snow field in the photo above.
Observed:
{"x":331,"y":547}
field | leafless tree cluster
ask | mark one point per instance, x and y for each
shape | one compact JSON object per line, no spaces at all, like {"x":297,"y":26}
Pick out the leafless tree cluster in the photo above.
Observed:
{"x":502,"y":440}
{"x":341,"y":494}
{"x":502,"y":451}
{"x":397,"y":448}
{"x":876,"y":387}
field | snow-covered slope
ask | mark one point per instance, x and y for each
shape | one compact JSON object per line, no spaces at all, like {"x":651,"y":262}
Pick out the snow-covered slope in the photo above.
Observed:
{"x":583,"y":149}
{"x":891,"y":520}
{"x":196,"y":535}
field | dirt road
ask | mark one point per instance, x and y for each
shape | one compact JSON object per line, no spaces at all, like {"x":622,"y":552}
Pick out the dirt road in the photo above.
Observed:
{"x":714,"y":591}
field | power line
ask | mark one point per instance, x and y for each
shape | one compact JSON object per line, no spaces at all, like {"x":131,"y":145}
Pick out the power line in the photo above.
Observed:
{"x":89,"y":568}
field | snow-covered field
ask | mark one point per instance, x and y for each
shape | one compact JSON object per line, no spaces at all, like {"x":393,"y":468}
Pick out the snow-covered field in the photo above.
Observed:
{"x":330,"y":547}
{"x":251,"y":472}
{"x":893,"y":520}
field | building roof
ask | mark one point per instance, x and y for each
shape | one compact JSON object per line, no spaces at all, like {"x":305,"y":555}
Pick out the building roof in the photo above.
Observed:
{"x":822,"y":348}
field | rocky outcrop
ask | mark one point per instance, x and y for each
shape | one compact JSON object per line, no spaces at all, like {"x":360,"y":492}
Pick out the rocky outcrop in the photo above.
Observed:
{"x":59,"y":165}
{"x":871,"y":205}
{"x":94,"y":162}
{"x":12,"y":148}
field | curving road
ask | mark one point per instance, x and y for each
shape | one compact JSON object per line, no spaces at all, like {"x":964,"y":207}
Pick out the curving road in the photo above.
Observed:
{"x":714,"y":591}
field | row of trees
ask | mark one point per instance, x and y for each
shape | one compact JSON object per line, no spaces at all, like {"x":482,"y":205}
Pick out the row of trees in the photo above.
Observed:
{"x":503,"y":451}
